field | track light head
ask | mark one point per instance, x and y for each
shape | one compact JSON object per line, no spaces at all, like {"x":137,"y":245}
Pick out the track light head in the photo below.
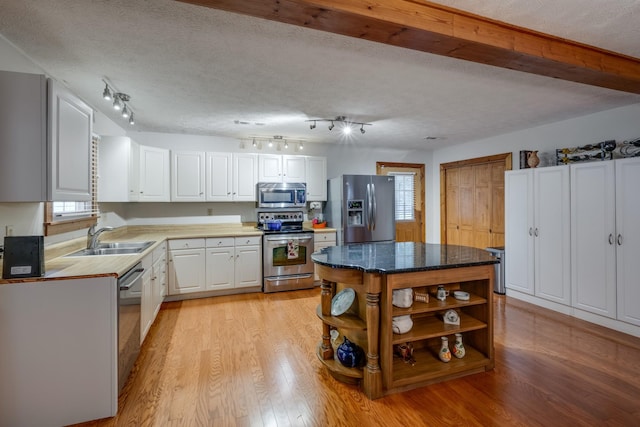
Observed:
{"x":312,"y":125}
{"x":255,"y":144}
{"x":346,"y":129}
{"x":131,"y":120}
{"x":106,"y":94}
{"x":362,"y":129}
{"x":331,"y":126}
{"x":116,"y":103}
{"x":300,"y":146}
{"x":125,"y":112}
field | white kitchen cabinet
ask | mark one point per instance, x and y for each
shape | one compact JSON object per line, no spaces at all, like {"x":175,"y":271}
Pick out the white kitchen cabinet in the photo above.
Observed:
{"x":537,"y":224}
{"x":234,"y":262}
{"x":220,"y":263}
{"x":118,"y":169}
{"x":606,"y":238}
{"x":322,"y":239}
{"x":186,"y":266}
{"x":245,"y":177}
{"x":628,"y":240}
{"x":187,"y":176}
{"x":59,"y":358}
{"x":294,"y":169}
{"x":146,"y":303}
{"x":219,"y":177}
{"x":154,"y":173}
{"x":45,"y":140}
{"x":316,"y":179}
{"x":269,"y":168}
{"x":159,"y":278}
{"x":248,"y":265}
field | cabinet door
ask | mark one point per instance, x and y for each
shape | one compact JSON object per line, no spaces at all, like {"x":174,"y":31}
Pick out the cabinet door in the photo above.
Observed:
{"x":294,"y":169}
{"x":245,"y":177}
{"x":114,"y":153}
{"x":552,"y":234}
{"x":220,"y":268}
{"x":519,"y":249}
{"x":270,"y":168}
{"x":154,"y":174}
{"x":146,"y":309}
{"x":187,"y":271}
{"x":219,"y":183}
{"x":316,"y":179}
{"x":628,"y":239}
{"x":248,"y":266}
{"x":157,"y":285}
{"x":70,"y":125}
{"x":322,"y":240}
{"x":593,"y":275}
{"x":187,"y":176}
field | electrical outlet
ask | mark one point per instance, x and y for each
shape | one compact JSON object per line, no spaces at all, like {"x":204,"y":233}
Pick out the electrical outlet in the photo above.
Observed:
{"x":8,"y":230}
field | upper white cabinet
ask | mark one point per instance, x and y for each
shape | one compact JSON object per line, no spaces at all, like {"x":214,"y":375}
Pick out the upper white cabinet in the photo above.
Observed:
{"x":294,"y":169}
{"x":154,"y":174}
{"x":316,"y":178}
{"x":281,"y":168}
{"x":231,"y":177}
{"x":245,"y":177}
{"x":187,"y":176}
{"x":118,"y":169}
{"x":45,"y":137}
{"x":537,"y":209}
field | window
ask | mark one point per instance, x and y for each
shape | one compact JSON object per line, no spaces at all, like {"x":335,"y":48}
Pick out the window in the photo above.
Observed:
{"x":405,"y":195}
{"x":62,"y":217}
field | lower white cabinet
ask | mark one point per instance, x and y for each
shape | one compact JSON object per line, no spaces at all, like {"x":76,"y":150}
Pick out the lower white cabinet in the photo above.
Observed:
{"x":146,"y":303}
{"x":159,"y":277}
{"x":322,"y":239}
{"x":215,"y":263}
{"x":186,"y":266}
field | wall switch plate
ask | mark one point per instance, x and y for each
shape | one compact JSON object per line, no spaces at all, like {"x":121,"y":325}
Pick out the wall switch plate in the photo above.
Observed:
{"x":8,"y":230}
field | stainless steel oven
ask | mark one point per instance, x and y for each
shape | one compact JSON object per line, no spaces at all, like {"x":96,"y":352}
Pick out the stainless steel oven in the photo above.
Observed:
{"x":286,"y":252}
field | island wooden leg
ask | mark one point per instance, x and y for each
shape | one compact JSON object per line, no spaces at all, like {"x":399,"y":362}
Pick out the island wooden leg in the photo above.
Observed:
{"x":326,"y":350}
{"x":372,"y":381}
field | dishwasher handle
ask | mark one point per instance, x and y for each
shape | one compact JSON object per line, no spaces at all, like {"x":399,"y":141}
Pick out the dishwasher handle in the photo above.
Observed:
{"x":130,"y":277}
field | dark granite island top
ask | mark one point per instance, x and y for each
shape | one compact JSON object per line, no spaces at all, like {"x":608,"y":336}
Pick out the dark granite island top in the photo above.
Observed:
{"x":401,"y":257}
{"x":368,"y":275}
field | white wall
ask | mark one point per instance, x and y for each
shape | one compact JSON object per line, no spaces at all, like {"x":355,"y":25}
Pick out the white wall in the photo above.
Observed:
{"x":620,"y":124}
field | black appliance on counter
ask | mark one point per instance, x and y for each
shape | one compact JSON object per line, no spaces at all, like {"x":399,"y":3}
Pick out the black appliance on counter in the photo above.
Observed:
{"x":286,"y":251}
{"x":23,"y":257}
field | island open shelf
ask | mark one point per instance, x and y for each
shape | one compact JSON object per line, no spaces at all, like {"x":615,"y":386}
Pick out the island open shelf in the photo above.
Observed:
{"x":424,"y":268}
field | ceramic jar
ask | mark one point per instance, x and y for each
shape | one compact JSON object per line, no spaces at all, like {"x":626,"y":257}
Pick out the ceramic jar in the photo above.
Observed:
{"x":444,"y":354}
{"x":402,"y":297}
{"x":401,"y":324}
{"x":532,"y":159}
{"x":350,"y":354}
{"x":458,"y":347}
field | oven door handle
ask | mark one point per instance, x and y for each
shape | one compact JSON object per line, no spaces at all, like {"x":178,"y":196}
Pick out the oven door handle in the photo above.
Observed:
{"x":289,"y":276}
{"x":279,"y":239}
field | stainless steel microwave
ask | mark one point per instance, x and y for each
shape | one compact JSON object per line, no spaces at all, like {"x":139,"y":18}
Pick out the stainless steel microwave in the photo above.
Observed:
{"x":282,"y":194}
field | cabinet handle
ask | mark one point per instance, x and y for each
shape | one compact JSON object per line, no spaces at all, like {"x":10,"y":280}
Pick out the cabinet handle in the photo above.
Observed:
{"x":536,"y":232}
{"x":530,"y":231}
{"x":611,"y":239}
{"x":201,"y":193}
{"x":228,"y":192}
{"x":619,"y":239}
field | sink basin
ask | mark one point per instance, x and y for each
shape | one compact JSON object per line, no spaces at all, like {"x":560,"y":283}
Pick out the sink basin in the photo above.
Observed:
{"x":116,"y":248}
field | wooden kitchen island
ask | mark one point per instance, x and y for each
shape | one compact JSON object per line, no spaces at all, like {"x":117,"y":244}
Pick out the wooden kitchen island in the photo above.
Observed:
{"x":373,"y":271}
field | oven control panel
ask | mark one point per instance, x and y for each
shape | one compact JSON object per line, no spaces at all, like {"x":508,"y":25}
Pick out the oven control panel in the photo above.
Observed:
{"x":283,"y":216}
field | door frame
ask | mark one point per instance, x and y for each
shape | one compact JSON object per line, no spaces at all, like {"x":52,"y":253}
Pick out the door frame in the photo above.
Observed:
{"x":421,"y":167}
{"x":507,"y":158}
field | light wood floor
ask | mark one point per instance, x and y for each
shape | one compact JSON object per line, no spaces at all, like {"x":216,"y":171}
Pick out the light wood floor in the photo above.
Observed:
{"x":249,"y":360}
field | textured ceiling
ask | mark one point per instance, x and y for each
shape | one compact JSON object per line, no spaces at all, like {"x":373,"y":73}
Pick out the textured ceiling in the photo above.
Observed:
{"x":195,"y":70}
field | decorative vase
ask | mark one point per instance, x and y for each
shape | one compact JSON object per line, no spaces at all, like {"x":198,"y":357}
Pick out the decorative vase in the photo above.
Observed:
{"x":444,"y":354}
{"x":350,"y":354}
{"x":458,"y":347}
{"x":532,"y":159}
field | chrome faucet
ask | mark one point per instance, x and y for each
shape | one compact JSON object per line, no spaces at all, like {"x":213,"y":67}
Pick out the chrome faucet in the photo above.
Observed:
{"x":93,"y":235}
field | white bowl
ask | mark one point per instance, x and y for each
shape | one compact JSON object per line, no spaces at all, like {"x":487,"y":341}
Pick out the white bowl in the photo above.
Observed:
{"x":461,"y":295}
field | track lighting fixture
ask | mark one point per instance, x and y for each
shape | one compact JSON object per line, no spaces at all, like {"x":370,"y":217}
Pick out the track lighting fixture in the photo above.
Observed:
{"x":255,"y":144}
{"x":286,"y":145}
{"x":276,"y":142}
{"x":347,"y":124}
{"x":120,"y":101}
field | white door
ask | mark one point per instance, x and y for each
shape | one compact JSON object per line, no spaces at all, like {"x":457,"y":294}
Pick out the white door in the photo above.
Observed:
{"x":245,"y":177}
{"x":70,"y":126}
{"x":628,"y":239}
{"x":270,"y":168}
{"x":219,"y":185}
{"x":294,"y":169}
{"x":552,"y":234}
{"x":220,"y":268}
{"x":154,"y":174}
{"x":519,"y":227}
{"x":187,"y":176}
{"x":186,"y":271}
{"x":316,"y":178}
{"x":248,"y":266}
{"x":593,"y":249}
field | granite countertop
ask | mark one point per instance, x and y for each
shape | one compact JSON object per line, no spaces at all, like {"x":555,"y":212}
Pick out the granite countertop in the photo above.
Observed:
{"x":401,"y":257}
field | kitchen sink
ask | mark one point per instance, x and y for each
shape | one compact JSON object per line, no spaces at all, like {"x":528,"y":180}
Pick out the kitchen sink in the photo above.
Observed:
{"x":116,"y":248}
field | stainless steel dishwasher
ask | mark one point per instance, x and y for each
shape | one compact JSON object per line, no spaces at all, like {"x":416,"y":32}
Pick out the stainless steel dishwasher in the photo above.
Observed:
{"x":129,"y":311}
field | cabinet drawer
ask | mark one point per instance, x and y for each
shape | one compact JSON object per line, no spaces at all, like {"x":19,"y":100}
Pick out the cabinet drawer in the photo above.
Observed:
{"x":219,"y":242}
{"x":186,"y":243}
{"x":324,"y":237}
{"x":248,"y":241}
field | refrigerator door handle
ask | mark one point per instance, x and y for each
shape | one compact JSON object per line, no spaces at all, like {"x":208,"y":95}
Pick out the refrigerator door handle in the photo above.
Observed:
{"x":374,"y":207}
{"x":368,"y":207}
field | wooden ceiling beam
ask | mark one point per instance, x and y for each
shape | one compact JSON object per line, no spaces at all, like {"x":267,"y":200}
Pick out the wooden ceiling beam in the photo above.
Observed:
{"x":440,"y":30}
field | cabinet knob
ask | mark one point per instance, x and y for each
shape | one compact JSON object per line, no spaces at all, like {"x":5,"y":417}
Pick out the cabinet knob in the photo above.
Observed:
{"x":611,"y":239}
{"x":536,"y":232}
{"x":619,"y":239}
{"x":530,"y":231}
{"x":201,"y":193}
{"x":229,"y":192}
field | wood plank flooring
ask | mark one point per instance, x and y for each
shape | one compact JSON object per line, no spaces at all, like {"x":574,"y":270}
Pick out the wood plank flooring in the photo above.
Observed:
{"x":249,"y":360}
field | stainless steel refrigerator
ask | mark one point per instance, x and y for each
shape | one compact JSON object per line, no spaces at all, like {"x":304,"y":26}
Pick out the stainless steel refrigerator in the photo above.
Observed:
{"x":362,"y":208}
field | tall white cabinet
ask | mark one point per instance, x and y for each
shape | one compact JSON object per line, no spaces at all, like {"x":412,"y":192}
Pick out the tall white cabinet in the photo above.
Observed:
{"x":537,"y":224}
